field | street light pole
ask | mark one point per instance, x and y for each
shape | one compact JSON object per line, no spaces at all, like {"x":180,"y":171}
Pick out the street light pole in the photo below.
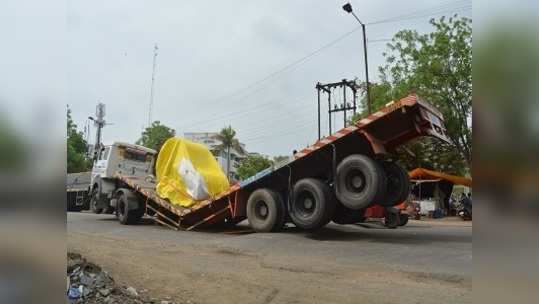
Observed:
{"x":348,"y":8}
{"x":366,"y":68}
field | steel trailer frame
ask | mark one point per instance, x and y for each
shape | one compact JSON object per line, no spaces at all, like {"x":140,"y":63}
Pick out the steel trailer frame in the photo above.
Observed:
{"x":375,"y":135}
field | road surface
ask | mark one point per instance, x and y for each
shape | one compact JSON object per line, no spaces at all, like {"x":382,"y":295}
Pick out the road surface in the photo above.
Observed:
{"x":420,"y":263}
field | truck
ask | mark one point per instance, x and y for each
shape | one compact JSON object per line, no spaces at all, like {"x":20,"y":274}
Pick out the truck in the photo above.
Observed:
{"x":93,"y":190}
{"x":77,"y":190}
{"x":344,"y":177}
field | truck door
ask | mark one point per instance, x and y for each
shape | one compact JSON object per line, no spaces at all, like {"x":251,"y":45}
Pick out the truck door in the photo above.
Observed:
{"x":100,"y":165}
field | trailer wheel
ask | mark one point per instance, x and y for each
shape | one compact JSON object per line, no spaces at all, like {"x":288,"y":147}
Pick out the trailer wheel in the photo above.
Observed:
{"x":344,"y":215}
{"x":265,"y":211}
{"x":392,"y":220}
{"x":360,"y":181}
{"x":312,"y":205}
{"x":108,"y":210}
{"x":398,"y":185}
{"x":94,"y":201}
{"x":403,"y":219}
{"x":125,"y":212}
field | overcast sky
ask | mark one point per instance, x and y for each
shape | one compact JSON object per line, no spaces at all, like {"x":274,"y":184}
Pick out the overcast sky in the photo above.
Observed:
{"x":208,"y":50}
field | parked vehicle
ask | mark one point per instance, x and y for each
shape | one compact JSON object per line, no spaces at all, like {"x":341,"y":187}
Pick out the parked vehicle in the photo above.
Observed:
{"x":464,"y":208}
{"x":93,"y":190}
{"x":77,"y":190}
{"x":339,"y":178}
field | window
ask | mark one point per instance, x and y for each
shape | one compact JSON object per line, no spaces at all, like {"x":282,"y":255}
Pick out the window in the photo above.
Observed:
{"x":104,"y":153}
{"x":136,"y":155}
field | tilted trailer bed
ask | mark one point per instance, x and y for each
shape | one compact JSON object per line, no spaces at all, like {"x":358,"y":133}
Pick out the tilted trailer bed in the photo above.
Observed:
{"x":374,"y":136}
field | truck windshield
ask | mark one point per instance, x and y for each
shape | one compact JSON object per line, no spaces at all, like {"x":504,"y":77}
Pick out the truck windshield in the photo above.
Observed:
{"x":135,"y":155}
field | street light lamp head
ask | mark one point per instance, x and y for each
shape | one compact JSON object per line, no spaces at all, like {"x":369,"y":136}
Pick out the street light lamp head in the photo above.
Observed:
{"x":347,"y":7}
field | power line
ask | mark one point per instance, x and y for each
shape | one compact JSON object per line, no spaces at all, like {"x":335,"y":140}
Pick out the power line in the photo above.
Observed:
{"x":240,"y":113}
{"x":378,"y":40}
{"x":288,"y":66}
{"x":298,"y":129}
{"x":435,"y":10}
{"x":333,"y":42}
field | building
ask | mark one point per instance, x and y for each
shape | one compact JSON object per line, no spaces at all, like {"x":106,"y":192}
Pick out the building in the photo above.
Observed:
{"x":210,"y":140}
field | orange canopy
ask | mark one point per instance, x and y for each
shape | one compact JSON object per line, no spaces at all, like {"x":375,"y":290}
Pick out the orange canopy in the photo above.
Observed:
{"x":421,"y":173}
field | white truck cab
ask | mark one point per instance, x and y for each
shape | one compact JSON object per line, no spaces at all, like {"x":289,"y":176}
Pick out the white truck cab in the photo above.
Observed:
{"x":118,"y":158}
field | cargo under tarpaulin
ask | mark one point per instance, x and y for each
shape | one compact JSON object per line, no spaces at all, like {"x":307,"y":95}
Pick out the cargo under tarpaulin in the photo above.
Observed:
{"x":187,"y":173}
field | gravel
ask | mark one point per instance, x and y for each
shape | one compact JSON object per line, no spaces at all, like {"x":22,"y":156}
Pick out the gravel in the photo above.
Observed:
{"x":88,"y":283}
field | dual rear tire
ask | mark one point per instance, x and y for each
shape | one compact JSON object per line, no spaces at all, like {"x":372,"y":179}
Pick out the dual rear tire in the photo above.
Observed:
{"x":362,"y":181}
{"x":311,"y":206}
{"x":266,"y":211}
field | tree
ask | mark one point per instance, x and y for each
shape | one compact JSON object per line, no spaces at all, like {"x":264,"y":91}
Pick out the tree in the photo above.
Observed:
{"x":154,"y":136}
{"x":380,"y":95}
{"x":228,"y":141}
{"x":76,"y":148}
{"x":13,"y":149}
{"x":251,"y":165}
{"x":437,"y":66}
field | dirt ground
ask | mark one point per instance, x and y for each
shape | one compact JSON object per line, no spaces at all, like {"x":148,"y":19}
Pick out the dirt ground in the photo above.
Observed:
{"x":218,"y":268}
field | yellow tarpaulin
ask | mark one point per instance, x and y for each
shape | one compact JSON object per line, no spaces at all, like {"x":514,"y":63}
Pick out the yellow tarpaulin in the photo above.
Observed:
{"x":187,"y":172}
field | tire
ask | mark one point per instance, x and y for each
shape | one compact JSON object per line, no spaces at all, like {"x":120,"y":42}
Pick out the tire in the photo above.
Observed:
{"x":109,"y":210}
{"x":124,"y":215}
{"x":360,"y":182}
{"x":266,"y":211}
{"x":403,"y":219}
{"x":391,"y":220}
{"x":71,"y":203}
{"x":312,"y":205}
{"x":344,"y":215}
{"x":94,"y":201}
{"x":398,"y":185}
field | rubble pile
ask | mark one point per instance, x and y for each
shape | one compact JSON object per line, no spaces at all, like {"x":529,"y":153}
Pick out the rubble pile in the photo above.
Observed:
{"x":88,"y":283}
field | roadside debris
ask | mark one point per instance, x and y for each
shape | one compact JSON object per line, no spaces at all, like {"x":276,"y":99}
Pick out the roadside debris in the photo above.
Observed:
{"x":88,"y":283}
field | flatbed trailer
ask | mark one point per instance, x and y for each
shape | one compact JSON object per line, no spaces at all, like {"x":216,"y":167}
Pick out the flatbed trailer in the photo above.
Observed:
{"x":371,"y":137}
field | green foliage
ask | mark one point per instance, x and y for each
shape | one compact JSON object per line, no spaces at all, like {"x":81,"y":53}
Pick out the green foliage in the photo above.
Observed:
{"x":76,"y":148}
{"x":13,"y":150}
{"x":380,"y":95}
{"x":228,"y":140}
{"x":437,"y":66}
{"x":154,"y":136}
{"x":227,"y":137}
{"x":252,"y":165}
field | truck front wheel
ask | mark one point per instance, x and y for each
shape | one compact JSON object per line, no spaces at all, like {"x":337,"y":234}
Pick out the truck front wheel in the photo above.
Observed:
{"x":265,"y":211}
{"x":360,"y":181}
{"x":128,"y":210}
{"x":313,"y":204}
{"x":94,"y":201}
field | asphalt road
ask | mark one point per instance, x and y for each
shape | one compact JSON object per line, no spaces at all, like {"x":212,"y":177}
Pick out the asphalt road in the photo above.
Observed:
{"x":420,"y":263}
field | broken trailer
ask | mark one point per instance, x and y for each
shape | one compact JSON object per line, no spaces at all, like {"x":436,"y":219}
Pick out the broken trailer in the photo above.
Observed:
{"x":338,"y":178}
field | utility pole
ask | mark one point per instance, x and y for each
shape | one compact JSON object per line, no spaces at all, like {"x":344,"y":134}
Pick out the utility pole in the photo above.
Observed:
{"x":348,"y":8}
{"x":99,"y":123}
{"x":345,"y":106}
{"x":155,"y":48}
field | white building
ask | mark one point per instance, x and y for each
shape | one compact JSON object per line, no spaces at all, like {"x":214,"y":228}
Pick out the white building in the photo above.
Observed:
{"x":210,"y":140}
